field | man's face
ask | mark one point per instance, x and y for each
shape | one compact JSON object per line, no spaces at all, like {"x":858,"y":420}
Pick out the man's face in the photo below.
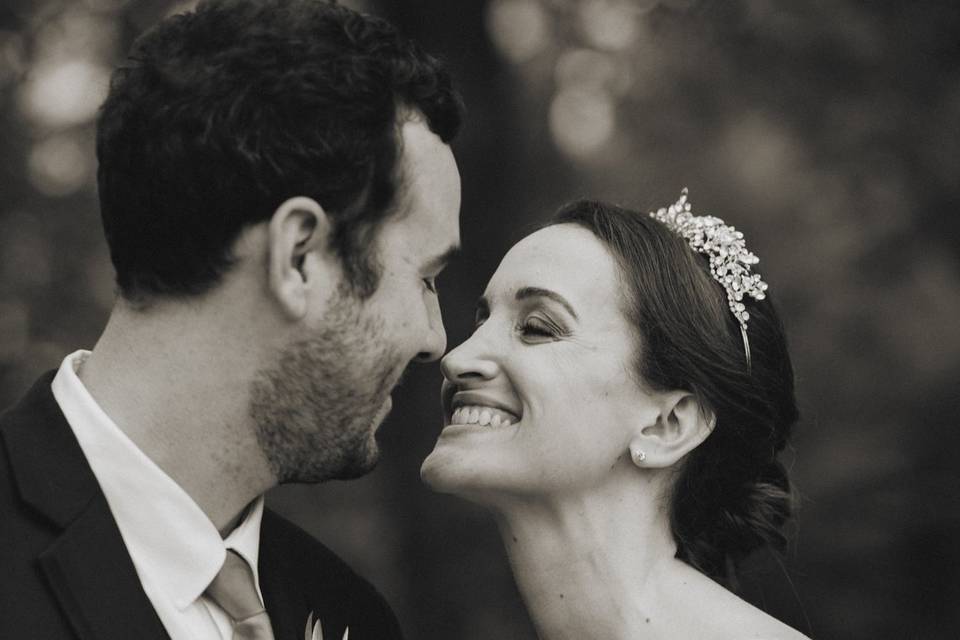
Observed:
{"x":316,"y":409}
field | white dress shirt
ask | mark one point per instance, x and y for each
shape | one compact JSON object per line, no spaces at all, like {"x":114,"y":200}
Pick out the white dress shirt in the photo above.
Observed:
{"x":174,"y":546}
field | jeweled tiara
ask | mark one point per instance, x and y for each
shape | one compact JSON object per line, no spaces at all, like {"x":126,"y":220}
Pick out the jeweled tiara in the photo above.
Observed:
{"x":730,"y":262}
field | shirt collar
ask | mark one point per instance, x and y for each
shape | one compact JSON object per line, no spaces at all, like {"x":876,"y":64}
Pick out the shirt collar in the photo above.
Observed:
{"x":245,"y":540}
{"x":171,"y":541}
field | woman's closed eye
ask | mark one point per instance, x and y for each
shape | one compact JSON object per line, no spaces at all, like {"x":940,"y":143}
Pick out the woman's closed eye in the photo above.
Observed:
{"x":537,"y":329}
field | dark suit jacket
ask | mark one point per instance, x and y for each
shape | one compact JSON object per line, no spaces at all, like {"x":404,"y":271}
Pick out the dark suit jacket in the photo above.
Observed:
{"x":65,"y":572}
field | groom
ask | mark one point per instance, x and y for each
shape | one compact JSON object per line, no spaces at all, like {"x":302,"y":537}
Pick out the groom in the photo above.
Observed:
{"x":278,"y":196}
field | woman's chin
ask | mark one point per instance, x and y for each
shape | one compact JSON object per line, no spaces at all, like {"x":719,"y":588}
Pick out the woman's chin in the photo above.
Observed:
{"x":440,"y":472}
{"x":446,"y":471}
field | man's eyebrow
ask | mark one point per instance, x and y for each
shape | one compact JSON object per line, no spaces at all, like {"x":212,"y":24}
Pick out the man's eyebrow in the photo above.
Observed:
{"x":537,"y":292}
{"x":439,"y":262}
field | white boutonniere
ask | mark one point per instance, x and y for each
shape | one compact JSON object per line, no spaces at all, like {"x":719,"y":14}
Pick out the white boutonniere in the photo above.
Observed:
{"x":314,"y":630}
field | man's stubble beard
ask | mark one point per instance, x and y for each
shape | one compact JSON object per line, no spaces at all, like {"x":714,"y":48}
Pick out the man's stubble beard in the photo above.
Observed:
{"x":313,"y":408}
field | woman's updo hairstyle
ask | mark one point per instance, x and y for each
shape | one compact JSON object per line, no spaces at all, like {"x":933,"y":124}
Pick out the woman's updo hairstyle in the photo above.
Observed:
{"x":731,"y":494}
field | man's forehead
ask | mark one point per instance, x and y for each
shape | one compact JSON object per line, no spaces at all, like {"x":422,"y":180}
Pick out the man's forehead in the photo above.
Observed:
{"x":428,"y":198}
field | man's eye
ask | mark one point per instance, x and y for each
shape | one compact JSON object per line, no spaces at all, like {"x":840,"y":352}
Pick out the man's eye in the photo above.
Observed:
{"x":430,"y":284}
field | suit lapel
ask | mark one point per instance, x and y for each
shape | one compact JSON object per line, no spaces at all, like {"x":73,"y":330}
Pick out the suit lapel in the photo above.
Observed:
{"x":91,"y":574}
{"x":87,"y":567}
{"x":284,"y":599}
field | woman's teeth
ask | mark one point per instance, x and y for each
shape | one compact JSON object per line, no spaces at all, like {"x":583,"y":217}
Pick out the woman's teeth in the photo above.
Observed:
{"x":483,"y":416}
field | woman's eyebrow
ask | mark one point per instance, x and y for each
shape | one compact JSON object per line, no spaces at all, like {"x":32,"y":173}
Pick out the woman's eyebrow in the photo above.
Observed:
{"x":538,"y":292}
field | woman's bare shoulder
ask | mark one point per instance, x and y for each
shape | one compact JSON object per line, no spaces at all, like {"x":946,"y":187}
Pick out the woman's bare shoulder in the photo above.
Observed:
{"x":743,"y":621}
{"x":733,"y":618}
{"x":788,"y":633}
{"x":780,"y":632}
{"x":708,"y":610}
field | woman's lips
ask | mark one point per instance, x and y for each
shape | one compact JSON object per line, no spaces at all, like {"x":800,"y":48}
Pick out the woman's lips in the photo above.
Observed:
{"x":472,"y":407}
{"x":483,"y":399}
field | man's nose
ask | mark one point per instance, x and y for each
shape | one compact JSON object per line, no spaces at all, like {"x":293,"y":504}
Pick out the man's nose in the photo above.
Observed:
{"x":435,"y":342}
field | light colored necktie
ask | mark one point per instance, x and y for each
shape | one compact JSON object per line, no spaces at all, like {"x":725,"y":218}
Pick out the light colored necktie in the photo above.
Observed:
{"x":234,"y":591}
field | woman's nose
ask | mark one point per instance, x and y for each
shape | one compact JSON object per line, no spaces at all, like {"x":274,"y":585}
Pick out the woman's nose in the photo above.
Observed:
{"x":471,"y":360}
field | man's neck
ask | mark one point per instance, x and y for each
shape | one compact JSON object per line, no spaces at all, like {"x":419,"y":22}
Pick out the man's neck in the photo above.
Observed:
{"x":181,"y":397}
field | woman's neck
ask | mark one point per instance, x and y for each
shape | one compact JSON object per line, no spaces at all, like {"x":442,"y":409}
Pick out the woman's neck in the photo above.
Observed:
{"x":591,"y":566}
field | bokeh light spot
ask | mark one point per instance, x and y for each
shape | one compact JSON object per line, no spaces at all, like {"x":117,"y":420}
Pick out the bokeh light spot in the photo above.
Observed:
{"x":581,"y":120}
{"x":59,"y":165}
{"x":518,"y":28}
{"x":609,"y":24}
{"x":585,"y":68}
{"x":76,"y":34}
{"x":64,"y":92}
{"x":766,"y":152}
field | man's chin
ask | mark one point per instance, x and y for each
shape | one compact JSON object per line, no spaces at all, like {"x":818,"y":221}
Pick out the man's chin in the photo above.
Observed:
{"x":363,"y":458}
{"x":349,"y":465}
{"x":365,"y":462}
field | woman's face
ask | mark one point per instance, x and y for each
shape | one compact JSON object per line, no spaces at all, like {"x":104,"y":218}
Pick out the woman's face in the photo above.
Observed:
{"x":541,"y":398}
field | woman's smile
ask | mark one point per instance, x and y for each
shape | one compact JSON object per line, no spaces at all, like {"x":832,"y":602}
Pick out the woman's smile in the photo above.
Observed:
{"x":483,"y":416}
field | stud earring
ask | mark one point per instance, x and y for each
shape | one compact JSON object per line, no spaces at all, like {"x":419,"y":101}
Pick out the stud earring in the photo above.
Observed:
{"x":638,"y":455}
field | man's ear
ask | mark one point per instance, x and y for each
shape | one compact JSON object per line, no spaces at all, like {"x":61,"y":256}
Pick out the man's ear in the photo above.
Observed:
{"x":299,"y":263}
{"x":682,"y":423}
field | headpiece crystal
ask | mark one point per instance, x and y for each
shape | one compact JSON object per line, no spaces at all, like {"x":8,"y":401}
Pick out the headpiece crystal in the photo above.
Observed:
{"x":730,"y":261}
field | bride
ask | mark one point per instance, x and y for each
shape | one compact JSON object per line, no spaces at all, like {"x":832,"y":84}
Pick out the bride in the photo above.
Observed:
{"x":619,"y":408}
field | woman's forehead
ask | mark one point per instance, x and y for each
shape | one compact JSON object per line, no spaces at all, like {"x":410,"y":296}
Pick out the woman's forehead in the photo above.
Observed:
{"x":564,"y":258}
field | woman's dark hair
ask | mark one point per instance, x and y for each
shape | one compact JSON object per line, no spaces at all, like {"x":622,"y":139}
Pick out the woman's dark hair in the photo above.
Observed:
{"x":221,"y":114}
{"x":731,"y":495}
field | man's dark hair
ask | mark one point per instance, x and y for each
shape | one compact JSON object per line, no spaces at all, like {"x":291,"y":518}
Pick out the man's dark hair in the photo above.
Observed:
{"x":223,"y":113}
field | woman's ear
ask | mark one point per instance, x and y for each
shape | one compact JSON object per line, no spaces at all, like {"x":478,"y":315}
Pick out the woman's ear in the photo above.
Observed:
{"x":682,"y":423}
{"x":299,"y":261}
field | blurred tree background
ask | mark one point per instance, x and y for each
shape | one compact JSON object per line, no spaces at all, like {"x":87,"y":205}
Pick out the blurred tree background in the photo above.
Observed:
{"x":828,"y":131}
